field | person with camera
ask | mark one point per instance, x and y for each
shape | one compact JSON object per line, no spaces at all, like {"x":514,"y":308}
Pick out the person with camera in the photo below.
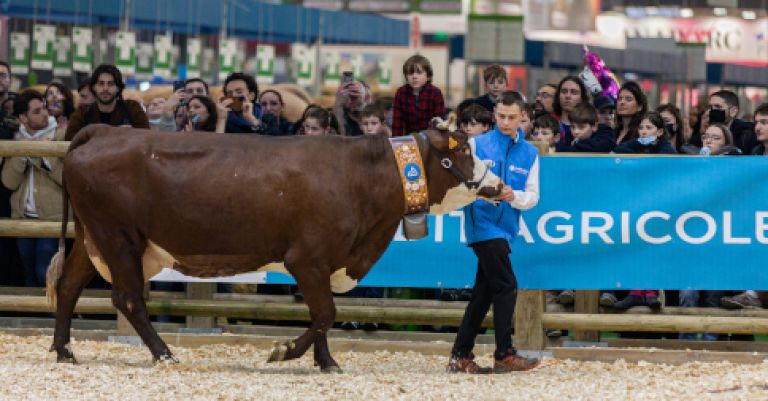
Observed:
{"x":110,"y":107}
{"x":351,"y":99}
{"x":36,"y":184}
{"x":723,"y":108}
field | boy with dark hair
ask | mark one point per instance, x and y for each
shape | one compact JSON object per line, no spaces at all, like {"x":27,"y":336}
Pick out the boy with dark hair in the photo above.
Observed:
{"x":475,"y":120}
{"x":418,"y":101}
{"x":546,"y":129}
{"x":761,"y":130}
{"x":491,"y":228}
{"x":372,"y":121}
{"x":495,"y":79}
{"x":586,"y":134}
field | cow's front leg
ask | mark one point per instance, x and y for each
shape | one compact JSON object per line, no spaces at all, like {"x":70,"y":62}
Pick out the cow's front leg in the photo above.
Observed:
{"x":315,"y":284}
{"x":323,"y":356}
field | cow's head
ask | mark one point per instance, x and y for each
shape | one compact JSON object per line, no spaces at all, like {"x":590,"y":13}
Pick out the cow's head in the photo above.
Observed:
{"x":455,"y":175}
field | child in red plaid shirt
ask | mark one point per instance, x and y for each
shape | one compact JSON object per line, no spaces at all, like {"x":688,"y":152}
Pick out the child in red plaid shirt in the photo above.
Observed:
{"x":418,"y":101}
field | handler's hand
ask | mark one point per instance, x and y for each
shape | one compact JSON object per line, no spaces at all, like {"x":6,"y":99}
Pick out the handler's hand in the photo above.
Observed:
{"x":507,"y":194}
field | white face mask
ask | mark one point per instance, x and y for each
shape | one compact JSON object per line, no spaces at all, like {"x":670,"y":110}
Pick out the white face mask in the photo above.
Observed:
{"x":646,"y":140}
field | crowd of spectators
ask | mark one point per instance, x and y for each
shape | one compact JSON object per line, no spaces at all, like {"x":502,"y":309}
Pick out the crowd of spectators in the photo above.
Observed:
{"x":561,"y":116}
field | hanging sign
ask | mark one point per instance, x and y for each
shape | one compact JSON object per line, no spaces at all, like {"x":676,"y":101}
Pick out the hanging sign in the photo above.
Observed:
{"x":19,"y":53}
{"x":332,"y":68}
{"x":385,"y":72}
{"x":82,"y":49}
{"x":125,"y":52}
{"x":304,"y":59}
{"x":194,"y":57}
{"x":227,"y":57}
{"x":42,"y":47}
{"x":62,"y":60}
{"x":163,"y":56}
{"x":145,"y":53}
{"x":265,"y":64}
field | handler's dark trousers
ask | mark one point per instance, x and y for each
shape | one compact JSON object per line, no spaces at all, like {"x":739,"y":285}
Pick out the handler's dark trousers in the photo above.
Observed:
{"x":495,"y":284}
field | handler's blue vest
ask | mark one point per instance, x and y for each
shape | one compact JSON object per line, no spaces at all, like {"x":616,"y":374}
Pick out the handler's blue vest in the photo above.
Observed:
{"x":512,"y":161}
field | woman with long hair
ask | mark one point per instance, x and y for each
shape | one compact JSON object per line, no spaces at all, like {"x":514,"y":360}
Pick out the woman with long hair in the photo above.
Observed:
{"x":202,"y":114}
{"x":631,"y":107}
{"x":60,"y":103}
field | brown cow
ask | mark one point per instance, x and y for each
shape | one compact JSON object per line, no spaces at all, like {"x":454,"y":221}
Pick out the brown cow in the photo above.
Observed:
{"x":322,"y":209}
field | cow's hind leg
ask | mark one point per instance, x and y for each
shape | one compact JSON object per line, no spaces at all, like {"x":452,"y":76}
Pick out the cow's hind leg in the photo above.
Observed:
{"x":78,"y":271}
{"x":124,"y":261}
{"x":315,"y":284}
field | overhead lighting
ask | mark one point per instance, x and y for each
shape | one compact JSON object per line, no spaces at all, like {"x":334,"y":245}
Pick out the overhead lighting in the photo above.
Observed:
{"x":652,"y":11}
{"x":686,"y":13}
{"x":720,"y":11}
{"x":748,"y":14}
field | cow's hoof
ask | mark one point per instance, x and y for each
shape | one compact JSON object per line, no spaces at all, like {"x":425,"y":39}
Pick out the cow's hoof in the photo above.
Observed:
{"x":278,"y":352}
{"x":66,"y":359}
{"x":332,"y":369}
{"x":64,"y":354}
{"x":166,"y":357}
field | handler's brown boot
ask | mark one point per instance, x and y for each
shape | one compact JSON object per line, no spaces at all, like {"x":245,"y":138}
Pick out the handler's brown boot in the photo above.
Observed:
{"x":466,"y":365}
{"x":514,"y":363}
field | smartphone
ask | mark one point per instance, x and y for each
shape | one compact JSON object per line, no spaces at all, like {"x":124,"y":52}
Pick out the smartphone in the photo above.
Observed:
{"x":178,"y":85}
{"x":347,"y":77}
{"x":237,"y":103}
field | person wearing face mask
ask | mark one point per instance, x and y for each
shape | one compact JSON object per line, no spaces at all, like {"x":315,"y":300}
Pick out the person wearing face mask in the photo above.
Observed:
{"x":36,"y":184}
{"x":673,"y":123}
{"x":652,"y":137}
{"x":723,"y":108}
{"x":271,"y":102}
{"x":203,"y":115}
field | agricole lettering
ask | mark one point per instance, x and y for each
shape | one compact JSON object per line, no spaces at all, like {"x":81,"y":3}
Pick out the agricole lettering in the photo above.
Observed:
{"x":653,"y":227}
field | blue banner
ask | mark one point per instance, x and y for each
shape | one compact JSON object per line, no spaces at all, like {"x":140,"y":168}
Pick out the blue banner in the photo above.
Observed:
{"x":613,"y":223}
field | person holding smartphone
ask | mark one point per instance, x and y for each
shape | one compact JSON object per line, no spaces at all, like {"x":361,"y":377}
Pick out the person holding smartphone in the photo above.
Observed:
{"x":351,"y":99}
{"x":244,"y":116}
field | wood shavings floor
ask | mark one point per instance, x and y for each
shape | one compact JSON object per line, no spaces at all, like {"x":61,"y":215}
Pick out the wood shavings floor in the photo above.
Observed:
{"x":109,"y":371}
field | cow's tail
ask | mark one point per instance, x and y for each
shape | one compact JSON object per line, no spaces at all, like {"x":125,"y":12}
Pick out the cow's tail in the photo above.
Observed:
{"x":56,"y":267}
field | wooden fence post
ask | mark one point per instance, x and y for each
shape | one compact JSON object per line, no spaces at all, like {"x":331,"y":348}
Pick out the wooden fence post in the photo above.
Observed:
{"x":200,"y":291}
{"x":586,"y":301}
{"x":529,"y":330}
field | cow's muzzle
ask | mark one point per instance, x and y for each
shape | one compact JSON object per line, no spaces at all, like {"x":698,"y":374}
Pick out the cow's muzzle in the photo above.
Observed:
{"x":491,"y":192}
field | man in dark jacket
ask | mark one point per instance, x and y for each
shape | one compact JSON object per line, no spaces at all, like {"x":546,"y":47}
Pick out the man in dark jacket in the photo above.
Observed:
{"x":110,"y":107}
{"x":724,"y":108}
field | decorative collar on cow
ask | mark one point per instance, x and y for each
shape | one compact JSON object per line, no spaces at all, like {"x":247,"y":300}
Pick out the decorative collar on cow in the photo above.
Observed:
{"x":411,"y":167}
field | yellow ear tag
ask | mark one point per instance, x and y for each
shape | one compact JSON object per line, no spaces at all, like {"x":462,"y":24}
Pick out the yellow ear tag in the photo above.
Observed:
{"x":452,"y":143}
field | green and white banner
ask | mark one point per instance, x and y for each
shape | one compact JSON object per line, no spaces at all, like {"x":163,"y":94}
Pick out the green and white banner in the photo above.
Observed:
{"x":62,"y":60}
{"x":82,"y":49}
{"x":163,"y":56}
{"x":265,"y":64}
{"x":356,"y":60}
{"x":385,"y":72}
{"x":19,"y":53}
{"x":332,"y":68}
{"x":304,"y":61}
{"x":194,"y":57}
{"x":125,"y":52}
{"x":43,"y":39}
{"x":227,"y":57}
{"x":145,"y":53}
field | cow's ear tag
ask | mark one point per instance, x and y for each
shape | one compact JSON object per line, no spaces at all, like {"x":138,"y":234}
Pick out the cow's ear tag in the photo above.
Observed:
{"x":452,"y":143}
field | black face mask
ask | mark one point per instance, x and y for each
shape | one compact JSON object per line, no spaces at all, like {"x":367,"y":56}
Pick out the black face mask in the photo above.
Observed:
{"x":670,"y":128}
{"x":716,"y":116}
